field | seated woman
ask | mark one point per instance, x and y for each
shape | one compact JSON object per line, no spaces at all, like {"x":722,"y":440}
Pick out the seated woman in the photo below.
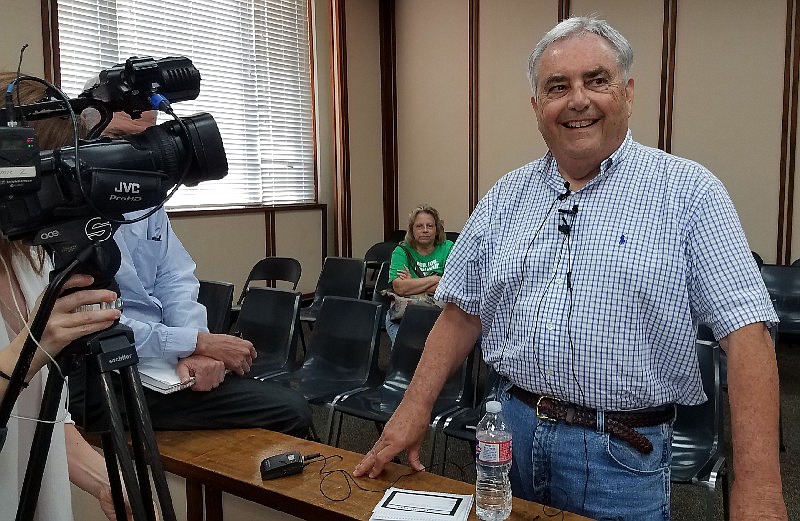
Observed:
{"x":23,"y":275}
{"x":418,"y":261}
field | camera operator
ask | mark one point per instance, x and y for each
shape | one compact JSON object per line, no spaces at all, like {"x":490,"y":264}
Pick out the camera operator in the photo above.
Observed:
{"x":23,"y":275}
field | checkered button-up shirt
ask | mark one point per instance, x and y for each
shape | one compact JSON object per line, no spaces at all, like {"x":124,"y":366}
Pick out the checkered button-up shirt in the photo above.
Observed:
{"x":595,"y":297}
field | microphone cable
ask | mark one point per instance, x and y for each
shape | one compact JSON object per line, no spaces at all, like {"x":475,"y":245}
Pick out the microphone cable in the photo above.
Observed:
{"x":350,"y":481}
{"x":571,"y":302}
{"x":558,"y":198}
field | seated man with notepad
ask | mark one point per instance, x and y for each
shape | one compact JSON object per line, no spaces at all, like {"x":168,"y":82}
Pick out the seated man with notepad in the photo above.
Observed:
{"x":159,"y":292}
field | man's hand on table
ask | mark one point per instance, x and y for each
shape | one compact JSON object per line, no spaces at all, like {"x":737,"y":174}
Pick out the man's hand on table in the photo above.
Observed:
{"x":406,"y":429}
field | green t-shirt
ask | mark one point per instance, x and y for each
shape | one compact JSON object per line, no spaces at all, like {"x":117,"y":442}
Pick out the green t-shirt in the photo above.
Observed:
{"x":429,"y":264}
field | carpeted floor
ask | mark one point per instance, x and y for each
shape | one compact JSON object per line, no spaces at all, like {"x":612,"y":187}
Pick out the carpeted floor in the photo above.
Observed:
{"x":687,"y":500}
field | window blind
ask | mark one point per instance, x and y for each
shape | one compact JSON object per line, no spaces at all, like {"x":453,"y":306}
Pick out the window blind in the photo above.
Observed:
{"x":253,"y":57}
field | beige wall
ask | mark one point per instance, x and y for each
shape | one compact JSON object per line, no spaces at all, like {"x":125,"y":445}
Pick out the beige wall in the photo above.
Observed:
{"x":224,"y":248}
{"x":728,"y":92}
{"x":298,"y":234}
{"x":508,"y":32}
{"x":364,"y":112}
{"x":725,"y":118}
{"x":432,"y":115}
{"x":21,"y":24}
{"x":727,"y":100}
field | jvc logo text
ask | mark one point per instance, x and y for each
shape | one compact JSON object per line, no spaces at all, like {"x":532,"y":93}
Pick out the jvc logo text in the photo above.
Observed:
{"x":127,"y":188}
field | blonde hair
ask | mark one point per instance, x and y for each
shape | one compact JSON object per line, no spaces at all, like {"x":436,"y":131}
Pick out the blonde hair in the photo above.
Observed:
{"x":433,"y":212}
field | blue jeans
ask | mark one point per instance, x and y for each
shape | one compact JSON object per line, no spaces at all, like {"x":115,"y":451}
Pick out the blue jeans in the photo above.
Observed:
{"x":586,"y":471}
{"x":391,"y":329}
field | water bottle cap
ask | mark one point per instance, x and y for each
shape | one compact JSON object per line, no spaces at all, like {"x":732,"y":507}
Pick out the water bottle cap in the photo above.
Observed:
{"x":493,"y":406}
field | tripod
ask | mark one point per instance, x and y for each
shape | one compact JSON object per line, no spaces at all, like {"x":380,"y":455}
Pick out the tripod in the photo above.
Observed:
{"x":104,"y":352}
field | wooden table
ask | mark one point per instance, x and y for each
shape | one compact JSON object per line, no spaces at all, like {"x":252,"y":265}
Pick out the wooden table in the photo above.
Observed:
{"x":217,"y":461}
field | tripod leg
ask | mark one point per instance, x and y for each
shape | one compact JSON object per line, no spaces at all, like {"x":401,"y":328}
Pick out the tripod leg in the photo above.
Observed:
{"x":40,"y":447}
{"x":140,"y":457}
{"x":117,"y":494}
{"x":120,"y":449}
{"x":139,"y":416}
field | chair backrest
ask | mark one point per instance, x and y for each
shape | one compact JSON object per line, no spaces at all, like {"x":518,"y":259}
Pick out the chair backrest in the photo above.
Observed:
{"x":783,"y":285}
{"x":396,"y":236}
{"x":270,"y":320}
{"x":375,"y":256}
{"x":379,"y":253}
{"x":382,"y":283}
{"x":701,"y":425}
{"x":217,"y":297}
{"x":273,"y":269}
{"x":406,"y":352}
{"x":758,"y":259}
{"x":452,"y":236}
{"x":345,"y":341}
{"x":340,"y":277}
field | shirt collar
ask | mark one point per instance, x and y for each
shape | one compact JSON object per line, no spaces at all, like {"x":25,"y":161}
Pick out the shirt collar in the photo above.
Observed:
{"x":550,"y":174}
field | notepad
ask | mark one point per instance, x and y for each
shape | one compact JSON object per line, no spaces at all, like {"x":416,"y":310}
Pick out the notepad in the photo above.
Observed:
{"x":160,"y":376}
{"x":414,"y":505}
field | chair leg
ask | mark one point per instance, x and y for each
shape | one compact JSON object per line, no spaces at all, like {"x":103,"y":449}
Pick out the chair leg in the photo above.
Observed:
{"x":432,"y":434}
{"x":303,"y":336}
{"x":444,"y":452}
{"x":331,"y":414}
{"x":432,"y":463}
{"x":314,"y":435}
{"x":339,"y":429}
{"x":710,"y":502}
{"x":331,"y":421}
{"x":726,"y":514}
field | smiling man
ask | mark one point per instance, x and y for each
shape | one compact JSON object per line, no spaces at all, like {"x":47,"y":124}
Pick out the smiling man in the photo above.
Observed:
{"x":587,"y":273}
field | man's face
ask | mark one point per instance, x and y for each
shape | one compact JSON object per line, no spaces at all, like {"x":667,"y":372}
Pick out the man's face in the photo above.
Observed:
{"x":122,"y":124}
{"x":582,"y":104}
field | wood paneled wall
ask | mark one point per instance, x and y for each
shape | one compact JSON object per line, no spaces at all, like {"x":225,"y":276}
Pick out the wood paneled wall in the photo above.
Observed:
{"x":711,"y":84}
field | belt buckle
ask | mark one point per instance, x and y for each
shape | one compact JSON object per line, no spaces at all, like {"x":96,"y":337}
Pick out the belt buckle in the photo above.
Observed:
{"x":541,"y":415}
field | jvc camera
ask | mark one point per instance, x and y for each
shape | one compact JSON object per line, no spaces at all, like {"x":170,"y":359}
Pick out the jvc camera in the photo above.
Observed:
{"x":72,"y":196}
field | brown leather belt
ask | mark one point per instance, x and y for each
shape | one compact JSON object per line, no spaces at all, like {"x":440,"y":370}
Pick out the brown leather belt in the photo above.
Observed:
{"x":620,"y":424}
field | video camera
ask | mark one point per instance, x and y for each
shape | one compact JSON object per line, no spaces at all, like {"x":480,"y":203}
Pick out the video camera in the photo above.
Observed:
{"x":68,"y":198}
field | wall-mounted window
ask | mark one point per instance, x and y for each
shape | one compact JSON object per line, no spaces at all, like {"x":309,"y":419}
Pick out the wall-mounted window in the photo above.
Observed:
{"x":254,"y":59}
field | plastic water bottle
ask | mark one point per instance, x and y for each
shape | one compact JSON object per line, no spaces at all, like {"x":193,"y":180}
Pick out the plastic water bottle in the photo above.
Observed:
{"x":493,"y":462}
